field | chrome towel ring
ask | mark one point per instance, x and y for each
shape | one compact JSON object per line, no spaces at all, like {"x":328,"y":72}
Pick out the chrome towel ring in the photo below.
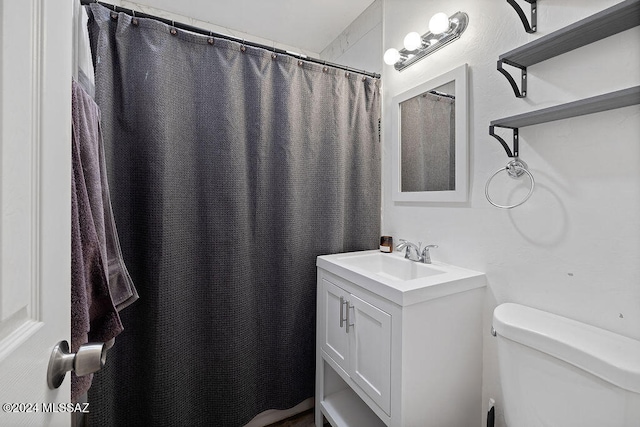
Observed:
{"x":515,"y":169}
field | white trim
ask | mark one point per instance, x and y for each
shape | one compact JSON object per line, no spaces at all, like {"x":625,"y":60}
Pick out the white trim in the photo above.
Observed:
{"x":460,"y":194}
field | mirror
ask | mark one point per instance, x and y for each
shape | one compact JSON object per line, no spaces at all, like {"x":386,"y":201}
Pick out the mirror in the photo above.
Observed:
{"x":430,"y":141}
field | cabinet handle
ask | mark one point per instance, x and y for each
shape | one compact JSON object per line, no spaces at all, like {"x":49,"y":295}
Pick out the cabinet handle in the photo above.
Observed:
{"x":342,"y":303}
{"x":349,"y":307}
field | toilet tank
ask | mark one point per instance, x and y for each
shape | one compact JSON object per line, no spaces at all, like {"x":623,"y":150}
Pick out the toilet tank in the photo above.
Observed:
{"x":557,"y":372}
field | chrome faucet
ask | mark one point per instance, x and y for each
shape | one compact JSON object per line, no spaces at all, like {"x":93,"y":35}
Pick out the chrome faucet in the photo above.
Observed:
{"x":415,"y":252}
{"x":411,"y":250}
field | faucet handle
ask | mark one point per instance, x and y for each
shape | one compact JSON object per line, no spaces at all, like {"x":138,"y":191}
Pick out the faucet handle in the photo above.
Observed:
{"x":425,"y":250}
{"x":426,"y":256}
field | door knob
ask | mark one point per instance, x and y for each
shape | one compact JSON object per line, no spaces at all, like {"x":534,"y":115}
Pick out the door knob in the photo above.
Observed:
{"x":90,"y":358}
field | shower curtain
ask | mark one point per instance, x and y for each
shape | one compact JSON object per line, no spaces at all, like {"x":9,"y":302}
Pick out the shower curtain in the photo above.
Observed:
{"x":231,"y":169}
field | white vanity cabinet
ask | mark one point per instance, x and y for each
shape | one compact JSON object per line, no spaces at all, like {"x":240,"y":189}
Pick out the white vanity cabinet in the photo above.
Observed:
{"x":390,"y":353}
{"x":357,"y":338}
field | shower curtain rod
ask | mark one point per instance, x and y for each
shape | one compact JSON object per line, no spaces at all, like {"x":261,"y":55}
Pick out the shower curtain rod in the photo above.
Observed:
{"x":197,"y":30}
{"x":444,"y":94}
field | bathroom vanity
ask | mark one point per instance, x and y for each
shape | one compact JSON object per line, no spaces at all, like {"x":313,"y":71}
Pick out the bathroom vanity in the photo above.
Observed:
{"x":399,"y":343}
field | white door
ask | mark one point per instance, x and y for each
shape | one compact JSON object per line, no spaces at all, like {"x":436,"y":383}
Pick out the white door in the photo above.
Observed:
{"x":335,"y":341}
{"x":35,"y":186}
{"x":370,"y":351}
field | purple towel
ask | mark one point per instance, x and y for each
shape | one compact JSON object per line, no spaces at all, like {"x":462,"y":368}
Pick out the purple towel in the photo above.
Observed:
{"x":100,"y":282}
{"x":89,"y":135}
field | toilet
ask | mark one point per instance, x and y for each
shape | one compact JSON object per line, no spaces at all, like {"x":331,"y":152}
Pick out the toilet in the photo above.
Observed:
{"x":557,"y":372}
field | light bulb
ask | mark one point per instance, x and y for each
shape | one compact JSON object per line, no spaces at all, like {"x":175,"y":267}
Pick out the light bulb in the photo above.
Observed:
{"x":391,"y":56}
{"x":439,"y":23}
{"x":412,"y":41}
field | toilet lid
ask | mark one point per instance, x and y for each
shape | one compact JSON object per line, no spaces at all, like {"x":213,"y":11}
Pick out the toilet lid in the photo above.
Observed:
{"x":612,"y":357}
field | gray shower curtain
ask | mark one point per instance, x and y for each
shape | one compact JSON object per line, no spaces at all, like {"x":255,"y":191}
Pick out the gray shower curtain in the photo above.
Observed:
{"x":230,"y":171}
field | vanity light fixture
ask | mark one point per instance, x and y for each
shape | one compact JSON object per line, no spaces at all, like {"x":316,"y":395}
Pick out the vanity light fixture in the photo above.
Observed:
{"x":442,"y":31}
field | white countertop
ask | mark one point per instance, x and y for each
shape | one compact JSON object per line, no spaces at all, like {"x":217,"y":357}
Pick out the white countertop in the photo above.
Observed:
{"x":403,"y":292}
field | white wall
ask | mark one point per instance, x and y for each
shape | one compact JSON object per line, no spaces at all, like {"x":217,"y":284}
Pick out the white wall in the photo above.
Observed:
{"x":360,"y":44}
{"x":574,"y":247}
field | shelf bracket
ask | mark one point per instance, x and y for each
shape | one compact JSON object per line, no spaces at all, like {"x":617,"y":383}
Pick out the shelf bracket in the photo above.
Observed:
{"x":519,"y":92}
{"x":529,"y":28}
{"x":504,"y":143}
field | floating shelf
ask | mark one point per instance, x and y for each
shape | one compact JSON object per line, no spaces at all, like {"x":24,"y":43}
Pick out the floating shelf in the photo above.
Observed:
{"x":618,"y":18}
{"x":596,"y":104}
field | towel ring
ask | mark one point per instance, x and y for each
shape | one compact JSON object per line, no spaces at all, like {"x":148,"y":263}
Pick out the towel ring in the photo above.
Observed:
{"x":515,"y":169}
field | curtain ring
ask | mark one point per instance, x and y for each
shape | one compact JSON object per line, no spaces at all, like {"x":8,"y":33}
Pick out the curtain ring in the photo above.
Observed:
{"x":243,"y":48}
{"x":515,"y":169}
{"x":173,"y":30}
{"x":211,"y":40}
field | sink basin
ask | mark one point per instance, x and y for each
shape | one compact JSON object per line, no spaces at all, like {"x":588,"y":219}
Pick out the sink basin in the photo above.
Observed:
{"x":390,"y":266}
{"x":400,"y":280}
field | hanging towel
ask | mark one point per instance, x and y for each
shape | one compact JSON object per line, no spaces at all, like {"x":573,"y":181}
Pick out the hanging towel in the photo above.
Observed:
{"x":100,"y":282}
{"x":89,"y":135}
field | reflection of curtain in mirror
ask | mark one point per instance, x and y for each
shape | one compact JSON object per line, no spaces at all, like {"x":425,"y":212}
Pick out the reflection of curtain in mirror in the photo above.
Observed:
{"x":428,"y":143}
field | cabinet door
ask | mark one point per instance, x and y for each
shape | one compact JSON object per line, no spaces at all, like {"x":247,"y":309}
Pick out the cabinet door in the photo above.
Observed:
{"x":370,"y":351}
{"x":335,"y":341}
